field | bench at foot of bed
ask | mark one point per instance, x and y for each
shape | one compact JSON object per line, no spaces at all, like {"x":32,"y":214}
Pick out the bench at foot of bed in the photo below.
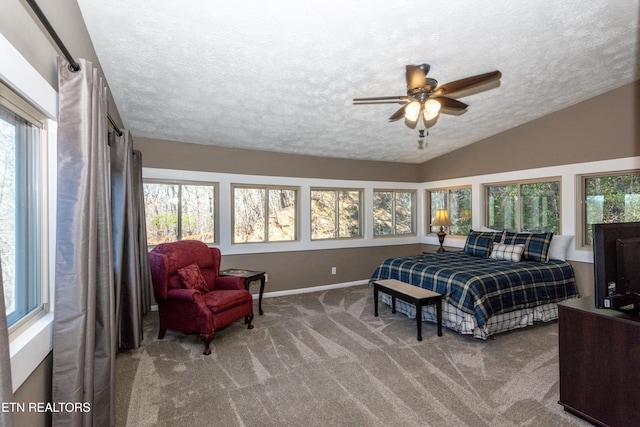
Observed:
{"x":411,"y":294}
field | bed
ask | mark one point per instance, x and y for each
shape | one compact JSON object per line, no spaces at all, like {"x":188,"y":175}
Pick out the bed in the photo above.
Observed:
{"x":485,"y":294}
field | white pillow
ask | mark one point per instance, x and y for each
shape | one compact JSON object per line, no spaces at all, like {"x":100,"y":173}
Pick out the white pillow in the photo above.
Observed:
{"x":559,"y":246}
{"x":507,"y":252}
{"x":484,"y":229}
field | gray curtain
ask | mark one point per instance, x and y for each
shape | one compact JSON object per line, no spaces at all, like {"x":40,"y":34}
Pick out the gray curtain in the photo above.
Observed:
{"x":132,"y":276}
{"x":6,"y":388}
{"x":145,"y":272}
{"x":84,"y":336}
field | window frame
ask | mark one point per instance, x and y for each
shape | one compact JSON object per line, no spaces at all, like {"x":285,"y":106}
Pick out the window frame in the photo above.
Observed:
{"x":180,"y":183}
{"x":31,"y":343}
{"x":267,"y":188}
{"x":581,"y":214}
{"x":414,"y":211}
{"x":520,"y":183}
{"x":36,"y":225}
{"x":428,"y":217}
{"x":337,"y":190}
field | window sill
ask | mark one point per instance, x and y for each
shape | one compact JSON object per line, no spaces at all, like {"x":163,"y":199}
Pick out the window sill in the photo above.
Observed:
{"x":30,"y":348}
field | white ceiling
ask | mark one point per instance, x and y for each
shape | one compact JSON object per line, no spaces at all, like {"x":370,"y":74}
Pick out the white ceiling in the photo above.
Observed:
{"x":281,"y":75}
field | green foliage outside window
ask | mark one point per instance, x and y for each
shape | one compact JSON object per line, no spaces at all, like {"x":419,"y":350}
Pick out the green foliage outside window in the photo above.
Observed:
{"x":610,"y":199}
{"x":531,"y":207}
{"x":458,"y":202}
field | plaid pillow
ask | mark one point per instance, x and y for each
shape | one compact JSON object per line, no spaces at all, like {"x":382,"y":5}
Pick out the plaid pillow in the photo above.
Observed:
{"x":507,"y":252}
{"x":495,"y":236}
{"x":536,"y":245}
{"x":477,"y":245}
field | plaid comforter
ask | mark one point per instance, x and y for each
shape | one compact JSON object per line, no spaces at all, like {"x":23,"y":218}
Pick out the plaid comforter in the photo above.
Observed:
{"x":480,"y":286}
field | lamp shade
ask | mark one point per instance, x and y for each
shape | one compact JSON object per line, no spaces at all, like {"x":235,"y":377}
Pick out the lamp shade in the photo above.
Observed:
{"x":441,"y":219}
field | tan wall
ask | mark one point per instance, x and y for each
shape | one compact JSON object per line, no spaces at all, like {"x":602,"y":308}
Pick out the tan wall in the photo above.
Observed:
{"x":197,"y":157}
{"x":604,"y":127}
{"x":304,"y":269}
{"x":37,"y":388}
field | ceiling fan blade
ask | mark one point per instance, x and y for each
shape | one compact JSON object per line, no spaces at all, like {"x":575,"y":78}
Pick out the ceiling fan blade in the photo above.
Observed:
{"x":379,"y":102}
{"x":382,"y":98}
{"x":417,"y":76}
{"x":466,"y":83}
{"x":450,"y":103}
{"x":398,"y":114}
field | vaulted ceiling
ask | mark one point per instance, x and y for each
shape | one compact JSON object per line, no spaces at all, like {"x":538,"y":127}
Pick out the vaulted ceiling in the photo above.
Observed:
{"x":281,"y":75}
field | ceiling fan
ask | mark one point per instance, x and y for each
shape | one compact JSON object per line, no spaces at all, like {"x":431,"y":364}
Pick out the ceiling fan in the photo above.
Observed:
{"x":426,"y":97}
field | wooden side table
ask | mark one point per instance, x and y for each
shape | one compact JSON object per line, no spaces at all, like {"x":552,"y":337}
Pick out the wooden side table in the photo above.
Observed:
{"x":249,"y":276}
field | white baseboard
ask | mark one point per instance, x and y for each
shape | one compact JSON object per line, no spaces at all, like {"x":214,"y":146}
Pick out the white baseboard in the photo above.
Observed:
{"x":300,"y":290}
{"x":311,"y":289}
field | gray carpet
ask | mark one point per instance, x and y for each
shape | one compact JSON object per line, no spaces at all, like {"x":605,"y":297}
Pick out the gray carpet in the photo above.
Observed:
{"x":323,"y":359}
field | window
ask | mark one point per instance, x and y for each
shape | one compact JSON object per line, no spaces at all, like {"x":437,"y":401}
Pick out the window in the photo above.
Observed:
{"x":524,"y":206}
{"x":393,"y":212}
{"x":458,"y":202}
{"x":336,"y":214}
{"x":264,"y":214}
{"x":22,"y":206}
{"x":609,"y":198}
{"x":180,"y":211}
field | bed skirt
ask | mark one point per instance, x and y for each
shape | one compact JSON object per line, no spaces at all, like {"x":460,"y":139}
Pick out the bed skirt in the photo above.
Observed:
{"x":464,"y":323}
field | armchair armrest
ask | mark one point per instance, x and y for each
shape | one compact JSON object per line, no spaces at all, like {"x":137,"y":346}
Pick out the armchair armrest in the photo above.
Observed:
{"x":185,"y":310}
{"x":229,"y":282}
{"x":188,"y":295}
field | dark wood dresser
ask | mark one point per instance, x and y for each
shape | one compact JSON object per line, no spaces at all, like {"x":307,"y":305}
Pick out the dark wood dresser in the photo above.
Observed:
{"x":599,"y":352}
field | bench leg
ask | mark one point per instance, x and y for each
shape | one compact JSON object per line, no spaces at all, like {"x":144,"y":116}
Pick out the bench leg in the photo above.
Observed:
{"x":393,"y":304}
{"x":419,"y":321}
{"x":375,"y":300}
{"x":439,"y":316}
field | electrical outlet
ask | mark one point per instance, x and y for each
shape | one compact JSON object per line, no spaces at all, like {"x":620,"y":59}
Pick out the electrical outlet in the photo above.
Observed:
{"x":333,"y":270}
{"x":266,"y":278}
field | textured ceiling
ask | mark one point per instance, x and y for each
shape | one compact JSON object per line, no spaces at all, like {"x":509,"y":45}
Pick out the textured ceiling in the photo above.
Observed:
{"x":281,"y":75}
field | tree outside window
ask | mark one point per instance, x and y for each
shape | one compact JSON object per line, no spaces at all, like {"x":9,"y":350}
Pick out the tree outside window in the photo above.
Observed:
{"x":393,"y":213}
{"x":458,"y":202}
{"x":524,"y":206}
{"x":264,"y":214}
{"x":609,"y":199}
{"x":336,"y":214}
{"x":179,"y":211}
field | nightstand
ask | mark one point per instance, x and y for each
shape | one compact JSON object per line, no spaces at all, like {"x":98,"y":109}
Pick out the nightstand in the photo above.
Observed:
{"x":249,"y":276}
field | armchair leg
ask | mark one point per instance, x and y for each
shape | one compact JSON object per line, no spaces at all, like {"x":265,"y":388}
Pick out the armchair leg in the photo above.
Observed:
{"x":161,"y":333}
{"x":206,"y":339}
{"x":248,"y":319}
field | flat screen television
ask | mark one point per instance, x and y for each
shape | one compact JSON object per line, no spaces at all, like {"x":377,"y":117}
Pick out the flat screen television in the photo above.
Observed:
{"x":616,"y":264}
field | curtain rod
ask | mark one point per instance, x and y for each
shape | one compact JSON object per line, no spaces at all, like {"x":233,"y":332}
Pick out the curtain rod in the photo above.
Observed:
{"x":73,"y":65}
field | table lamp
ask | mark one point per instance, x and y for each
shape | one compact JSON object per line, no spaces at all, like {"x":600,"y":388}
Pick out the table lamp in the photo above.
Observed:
{"x":441,"y":219}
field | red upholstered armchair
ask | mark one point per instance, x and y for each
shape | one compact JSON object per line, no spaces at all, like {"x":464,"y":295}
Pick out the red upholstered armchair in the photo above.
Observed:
{"x":192,"y":297}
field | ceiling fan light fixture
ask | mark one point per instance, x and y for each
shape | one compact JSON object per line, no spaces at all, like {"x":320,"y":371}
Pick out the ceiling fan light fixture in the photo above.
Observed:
{"x":425,"y":96}
{"x":412,"y":111}
{"x":431,"y":109}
